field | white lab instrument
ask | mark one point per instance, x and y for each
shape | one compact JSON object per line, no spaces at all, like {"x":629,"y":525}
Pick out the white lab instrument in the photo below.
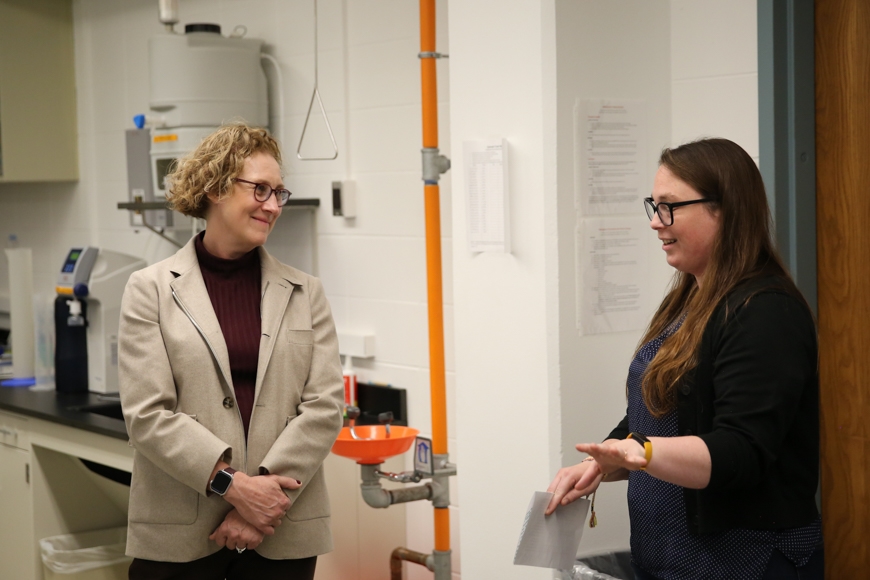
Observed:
{"x":96,"y":277}
{"x":199,"y":80}
{"x":21,"y":311}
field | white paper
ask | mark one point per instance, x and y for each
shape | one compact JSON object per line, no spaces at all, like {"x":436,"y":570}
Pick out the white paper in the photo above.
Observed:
{"x":610,"y":156}
{"x":551,"y":541}
{"x":486,"y":184}
{"x":612,"y":274}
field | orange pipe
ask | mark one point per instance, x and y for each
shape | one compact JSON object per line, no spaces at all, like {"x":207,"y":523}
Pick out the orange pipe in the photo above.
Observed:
{"x":429,"y":88}
{"x":437,"y":386}
{"x":428,"y":77}
{"x":442,"y":529}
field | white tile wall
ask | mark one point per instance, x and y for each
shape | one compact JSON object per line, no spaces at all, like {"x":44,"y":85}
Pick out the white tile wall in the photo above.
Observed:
{"x":713,"y":38}
{"x":724,"y":106}
{"x":714,"y":71}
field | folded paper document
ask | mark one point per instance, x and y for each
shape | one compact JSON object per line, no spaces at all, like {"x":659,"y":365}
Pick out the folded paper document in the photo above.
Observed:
{"x":551,"y":541}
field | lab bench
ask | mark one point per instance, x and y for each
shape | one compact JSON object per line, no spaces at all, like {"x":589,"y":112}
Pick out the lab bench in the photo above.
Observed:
{"x":47,"y":440}
{"x":56,"y":450}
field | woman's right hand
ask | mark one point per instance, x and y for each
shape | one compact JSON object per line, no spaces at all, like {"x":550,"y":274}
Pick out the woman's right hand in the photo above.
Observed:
{"x":261,"y":500}
{"x":235,"y":533}
{"x":574,"y":482}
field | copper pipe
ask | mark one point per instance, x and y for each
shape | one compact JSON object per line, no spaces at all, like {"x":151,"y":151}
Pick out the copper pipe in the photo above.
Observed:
{"x":407,"y":555}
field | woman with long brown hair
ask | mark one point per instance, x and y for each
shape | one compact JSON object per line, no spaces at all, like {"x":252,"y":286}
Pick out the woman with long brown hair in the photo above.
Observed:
{"x":720,"y":441}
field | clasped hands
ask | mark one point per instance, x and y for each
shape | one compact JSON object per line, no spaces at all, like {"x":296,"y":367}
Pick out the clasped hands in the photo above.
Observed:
{"x":609,"y":460}
{"x":259,"y":504}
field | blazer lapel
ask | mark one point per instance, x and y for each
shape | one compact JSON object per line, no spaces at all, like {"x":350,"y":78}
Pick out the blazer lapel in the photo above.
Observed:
{"x":191,"y":295}
{"x":277,"y":289}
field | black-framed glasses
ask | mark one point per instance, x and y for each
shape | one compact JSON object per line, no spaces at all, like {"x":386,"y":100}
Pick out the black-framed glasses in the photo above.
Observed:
{"x":665,"y":209}
{"x":262,"y":191}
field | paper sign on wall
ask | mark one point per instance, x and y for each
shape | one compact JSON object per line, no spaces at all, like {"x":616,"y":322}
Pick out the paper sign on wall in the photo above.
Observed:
{"x":612,"y":274}
{"x":486,"y":195}
{"x":610,"y":156}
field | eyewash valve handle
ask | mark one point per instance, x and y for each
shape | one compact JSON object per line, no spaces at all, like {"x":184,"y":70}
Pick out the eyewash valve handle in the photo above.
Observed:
{"x":385,"y":419}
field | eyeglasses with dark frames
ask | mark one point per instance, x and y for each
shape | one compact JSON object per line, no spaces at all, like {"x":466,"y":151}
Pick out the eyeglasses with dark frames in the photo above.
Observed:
{"x":262,"y":191}
{"x":665,"y":209}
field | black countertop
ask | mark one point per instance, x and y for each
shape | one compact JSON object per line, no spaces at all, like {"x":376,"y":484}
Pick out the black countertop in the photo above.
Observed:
{"x":63,"y":408}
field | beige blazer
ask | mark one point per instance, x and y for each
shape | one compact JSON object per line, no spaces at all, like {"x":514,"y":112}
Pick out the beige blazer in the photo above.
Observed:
{"x":181,"y":415}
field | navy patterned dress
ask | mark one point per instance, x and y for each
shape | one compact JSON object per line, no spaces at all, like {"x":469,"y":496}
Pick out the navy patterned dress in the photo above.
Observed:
{"x":661,"y":542}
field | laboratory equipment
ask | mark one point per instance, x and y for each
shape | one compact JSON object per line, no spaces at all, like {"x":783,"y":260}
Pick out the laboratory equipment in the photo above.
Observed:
{"x":87,"y":313}
{"x":21,"y":316}
{"x":199,"y":80}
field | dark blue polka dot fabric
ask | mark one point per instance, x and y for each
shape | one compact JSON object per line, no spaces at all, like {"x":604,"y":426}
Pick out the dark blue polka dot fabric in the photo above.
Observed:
{"x":661,"y":542}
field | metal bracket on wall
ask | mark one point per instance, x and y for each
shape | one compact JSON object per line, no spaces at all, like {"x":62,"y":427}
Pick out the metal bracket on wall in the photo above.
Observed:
{"x":429,"y":54}
{"x":140,"y":207}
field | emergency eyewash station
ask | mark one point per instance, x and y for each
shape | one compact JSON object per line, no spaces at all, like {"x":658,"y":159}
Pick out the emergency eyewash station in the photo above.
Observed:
{"x":64,"y":444}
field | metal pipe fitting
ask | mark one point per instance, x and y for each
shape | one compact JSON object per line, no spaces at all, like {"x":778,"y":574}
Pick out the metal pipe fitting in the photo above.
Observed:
{"x":442,"y":565}
{"x":434,"y":164}
{"x":378,"y":497}
{"x":441,"y":480}
{"x":404,"y":477}
{"x":400,"y":554}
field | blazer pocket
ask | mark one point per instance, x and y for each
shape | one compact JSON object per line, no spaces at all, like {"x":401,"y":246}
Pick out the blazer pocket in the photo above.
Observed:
{"x":158,"y":498}
{"x":300,"y":336}
{"x":313,"y":502}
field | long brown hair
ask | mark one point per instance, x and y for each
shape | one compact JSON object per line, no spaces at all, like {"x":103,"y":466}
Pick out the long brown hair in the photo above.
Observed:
{"x":720,"y":170}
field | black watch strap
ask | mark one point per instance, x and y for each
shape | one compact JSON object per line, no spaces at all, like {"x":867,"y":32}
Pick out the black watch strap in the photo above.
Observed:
{"x":645,"y":443}
{"x":641,"y":439}
{"x":222,"y":481}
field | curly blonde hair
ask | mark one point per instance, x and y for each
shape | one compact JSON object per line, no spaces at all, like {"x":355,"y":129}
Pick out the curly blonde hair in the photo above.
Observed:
{"x":211,"y":167}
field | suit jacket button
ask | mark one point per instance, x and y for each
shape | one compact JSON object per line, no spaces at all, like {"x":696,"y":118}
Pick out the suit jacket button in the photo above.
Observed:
{"x":685,"y":389}
{"x":228,"y":402}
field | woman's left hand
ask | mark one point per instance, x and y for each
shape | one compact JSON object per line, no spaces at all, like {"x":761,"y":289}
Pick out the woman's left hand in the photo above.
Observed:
{"x":615,"y":455}
{"x":236,"y":533}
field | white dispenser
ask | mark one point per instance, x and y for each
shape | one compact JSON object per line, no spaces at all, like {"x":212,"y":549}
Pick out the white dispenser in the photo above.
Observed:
{"x":108,"y":280}
{"x":99,"y":278}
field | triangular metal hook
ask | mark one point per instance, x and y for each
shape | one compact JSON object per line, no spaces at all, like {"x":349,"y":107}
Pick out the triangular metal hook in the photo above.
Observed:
{"x":316,"y":94}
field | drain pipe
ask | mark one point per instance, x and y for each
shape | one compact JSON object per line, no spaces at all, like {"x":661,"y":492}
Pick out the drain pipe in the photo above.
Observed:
{"x":434,"y":165}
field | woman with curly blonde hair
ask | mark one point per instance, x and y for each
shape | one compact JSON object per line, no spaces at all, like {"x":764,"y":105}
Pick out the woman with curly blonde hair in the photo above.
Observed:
{"x":230,"y":382}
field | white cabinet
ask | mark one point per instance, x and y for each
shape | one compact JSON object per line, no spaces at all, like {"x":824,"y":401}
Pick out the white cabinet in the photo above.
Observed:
{"x":16,"y":502}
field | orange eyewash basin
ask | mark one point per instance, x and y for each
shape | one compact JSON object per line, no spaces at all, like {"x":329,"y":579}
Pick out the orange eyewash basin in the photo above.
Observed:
{"x":374,"y":446}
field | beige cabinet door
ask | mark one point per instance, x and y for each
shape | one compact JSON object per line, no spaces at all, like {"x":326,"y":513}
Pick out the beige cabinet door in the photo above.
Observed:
{"x":17,"y":547}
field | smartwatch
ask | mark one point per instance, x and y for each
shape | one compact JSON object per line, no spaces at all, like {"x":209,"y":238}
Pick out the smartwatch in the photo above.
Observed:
{"x":645,"y":443}
{"x":222,"y":481}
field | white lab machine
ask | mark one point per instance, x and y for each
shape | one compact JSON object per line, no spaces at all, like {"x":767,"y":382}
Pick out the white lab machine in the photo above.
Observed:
{"x":87,"y":313}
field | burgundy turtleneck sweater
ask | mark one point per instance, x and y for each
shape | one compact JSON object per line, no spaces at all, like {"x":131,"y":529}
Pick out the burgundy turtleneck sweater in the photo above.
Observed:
{"x":234,"y":289}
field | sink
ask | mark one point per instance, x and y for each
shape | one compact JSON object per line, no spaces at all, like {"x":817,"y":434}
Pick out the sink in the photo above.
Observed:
{"x":111,"y":410}
{"x":375,"y":447}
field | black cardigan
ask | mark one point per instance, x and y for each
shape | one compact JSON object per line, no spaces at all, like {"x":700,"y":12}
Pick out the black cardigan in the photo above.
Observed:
{"x":754,"y":400}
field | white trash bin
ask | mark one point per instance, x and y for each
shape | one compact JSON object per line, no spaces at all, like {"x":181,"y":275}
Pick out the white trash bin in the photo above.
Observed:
{"x":97,"y":555}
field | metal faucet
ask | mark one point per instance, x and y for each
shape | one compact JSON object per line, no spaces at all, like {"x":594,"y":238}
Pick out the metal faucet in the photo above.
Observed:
{"x":352,"y":415}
